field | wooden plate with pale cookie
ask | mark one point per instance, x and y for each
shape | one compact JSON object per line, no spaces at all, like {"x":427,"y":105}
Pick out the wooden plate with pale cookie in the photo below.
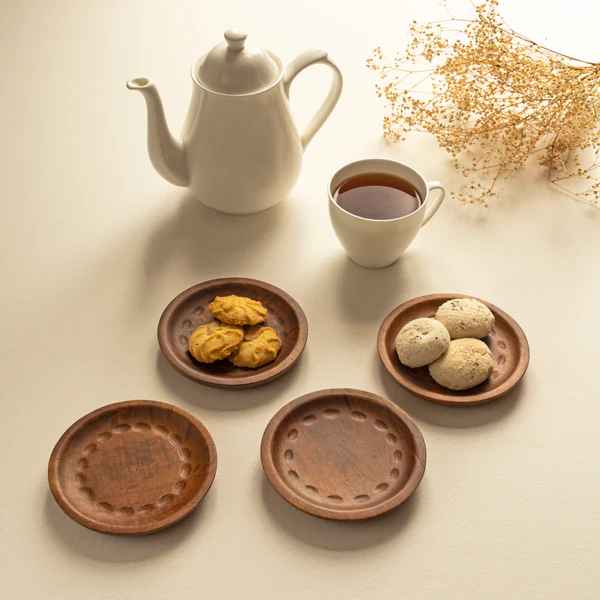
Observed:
{"x":196,"y":306}
{"x":506,"y":341}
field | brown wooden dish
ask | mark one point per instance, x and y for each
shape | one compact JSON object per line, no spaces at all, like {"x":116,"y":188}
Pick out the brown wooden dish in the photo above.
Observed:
{"x":132,"y":467}
{"x":507,"y":342}
{"x":343,"y":454}
{"x":190,"y":309}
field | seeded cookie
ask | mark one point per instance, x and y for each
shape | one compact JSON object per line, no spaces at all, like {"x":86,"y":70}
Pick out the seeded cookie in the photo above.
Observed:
{"x":467,"y":363}
{"x":238,"y":310}
{"x":421,"y":341}
{"x":257,"y":349}
{"x":214,"y":341}
{"x":465,"y":318}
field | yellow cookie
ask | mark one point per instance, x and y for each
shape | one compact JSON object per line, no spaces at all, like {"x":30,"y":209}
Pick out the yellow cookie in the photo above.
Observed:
{"x":257,"y":349}
{"x":213,"y":341}
{"x":238,"y":310}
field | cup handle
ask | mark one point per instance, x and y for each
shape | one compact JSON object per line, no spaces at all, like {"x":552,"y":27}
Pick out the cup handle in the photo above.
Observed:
{"x":431,"y":209}
{"x":306,"y":59}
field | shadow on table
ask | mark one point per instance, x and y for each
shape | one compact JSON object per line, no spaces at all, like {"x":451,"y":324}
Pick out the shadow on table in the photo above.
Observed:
{"x":337,"y":535}
{"x":208,"y":240}
{"x":449,"y":416}
{"x":120,"y":549}
{"x":369,"y":294}
{"x":190,"y":392}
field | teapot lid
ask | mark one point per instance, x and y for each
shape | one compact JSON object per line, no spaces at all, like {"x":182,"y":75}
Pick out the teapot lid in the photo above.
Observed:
{"x":233,"y":68}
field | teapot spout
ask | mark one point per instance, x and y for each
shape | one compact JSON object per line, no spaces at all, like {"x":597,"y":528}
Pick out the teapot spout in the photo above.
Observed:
{"x":166,"y":154}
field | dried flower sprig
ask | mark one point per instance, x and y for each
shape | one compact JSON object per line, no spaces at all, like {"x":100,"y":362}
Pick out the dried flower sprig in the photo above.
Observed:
{"x":495,"y":101}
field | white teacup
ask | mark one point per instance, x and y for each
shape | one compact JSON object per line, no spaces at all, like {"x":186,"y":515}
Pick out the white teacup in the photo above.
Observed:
{"x":375,"y":243}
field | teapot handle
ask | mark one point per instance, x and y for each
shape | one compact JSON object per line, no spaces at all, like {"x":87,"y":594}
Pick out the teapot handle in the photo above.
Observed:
{"x":306,"y":59}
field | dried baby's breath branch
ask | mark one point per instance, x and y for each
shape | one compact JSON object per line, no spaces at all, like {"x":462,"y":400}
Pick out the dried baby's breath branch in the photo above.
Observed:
{"x":495,"y":101}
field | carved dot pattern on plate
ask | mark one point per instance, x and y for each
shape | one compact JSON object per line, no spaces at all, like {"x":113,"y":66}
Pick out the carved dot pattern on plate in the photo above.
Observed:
{"x":90,"y":448}
{"x":162,"y":430}
{"x":331,"y":413}
{"x":380,"y":425}
{"x":132,"y":467}
{"x":121,"y":428}
{"x":343,"y":454}
{"x":87,"y":492}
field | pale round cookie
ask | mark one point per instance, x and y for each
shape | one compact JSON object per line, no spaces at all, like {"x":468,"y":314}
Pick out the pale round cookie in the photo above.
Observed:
{"x":421,"y":341}
{"x":465,"y":318}
{"x":467,"y":363}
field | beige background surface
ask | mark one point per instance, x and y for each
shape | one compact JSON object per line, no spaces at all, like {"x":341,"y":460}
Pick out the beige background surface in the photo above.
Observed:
{"x":93,"y":244}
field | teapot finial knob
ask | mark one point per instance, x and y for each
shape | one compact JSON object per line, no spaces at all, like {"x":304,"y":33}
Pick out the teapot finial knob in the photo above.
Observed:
{"x":235,"y":39}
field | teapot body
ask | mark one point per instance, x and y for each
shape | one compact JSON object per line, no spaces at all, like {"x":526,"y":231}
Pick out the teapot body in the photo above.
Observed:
{"x":243,"y":152}
{"x":240,"y":152}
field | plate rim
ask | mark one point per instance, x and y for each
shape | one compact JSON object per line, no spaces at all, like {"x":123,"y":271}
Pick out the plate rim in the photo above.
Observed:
{"x":69,"y":509}
{"x":357,"y":514}
{"x":247,"y":381}
{"x":448,"y":398}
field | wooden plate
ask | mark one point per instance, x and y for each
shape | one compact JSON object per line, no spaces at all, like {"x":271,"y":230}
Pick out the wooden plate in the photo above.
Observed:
{"x":190,"y":309}
{"x":343,"y":454}
{"x":132,"y":467}
{"x":507,"y":343}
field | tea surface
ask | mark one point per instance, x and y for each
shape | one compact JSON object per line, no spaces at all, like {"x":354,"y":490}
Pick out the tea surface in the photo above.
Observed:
{"x":377,"y":196}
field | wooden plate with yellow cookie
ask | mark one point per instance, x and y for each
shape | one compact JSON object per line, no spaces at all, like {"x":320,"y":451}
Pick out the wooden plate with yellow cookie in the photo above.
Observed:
{"x":233,"y":332}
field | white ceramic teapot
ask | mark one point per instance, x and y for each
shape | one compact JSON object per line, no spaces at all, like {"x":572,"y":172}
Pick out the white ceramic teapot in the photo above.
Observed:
{"x":240,"y":151}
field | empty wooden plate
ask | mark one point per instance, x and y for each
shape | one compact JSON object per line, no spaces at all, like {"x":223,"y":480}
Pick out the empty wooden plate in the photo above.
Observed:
{"x":132,"y":467}
{"x":343,"y":454}
{"x":190,"y":309}
{"x":507,"y":342}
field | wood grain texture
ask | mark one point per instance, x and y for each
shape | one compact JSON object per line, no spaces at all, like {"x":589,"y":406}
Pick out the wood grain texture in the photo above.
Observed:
{"x":132,"y":467}
{"x":343,"y":454}
{"x":190,"y":309}
{"x":507,"y":343}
